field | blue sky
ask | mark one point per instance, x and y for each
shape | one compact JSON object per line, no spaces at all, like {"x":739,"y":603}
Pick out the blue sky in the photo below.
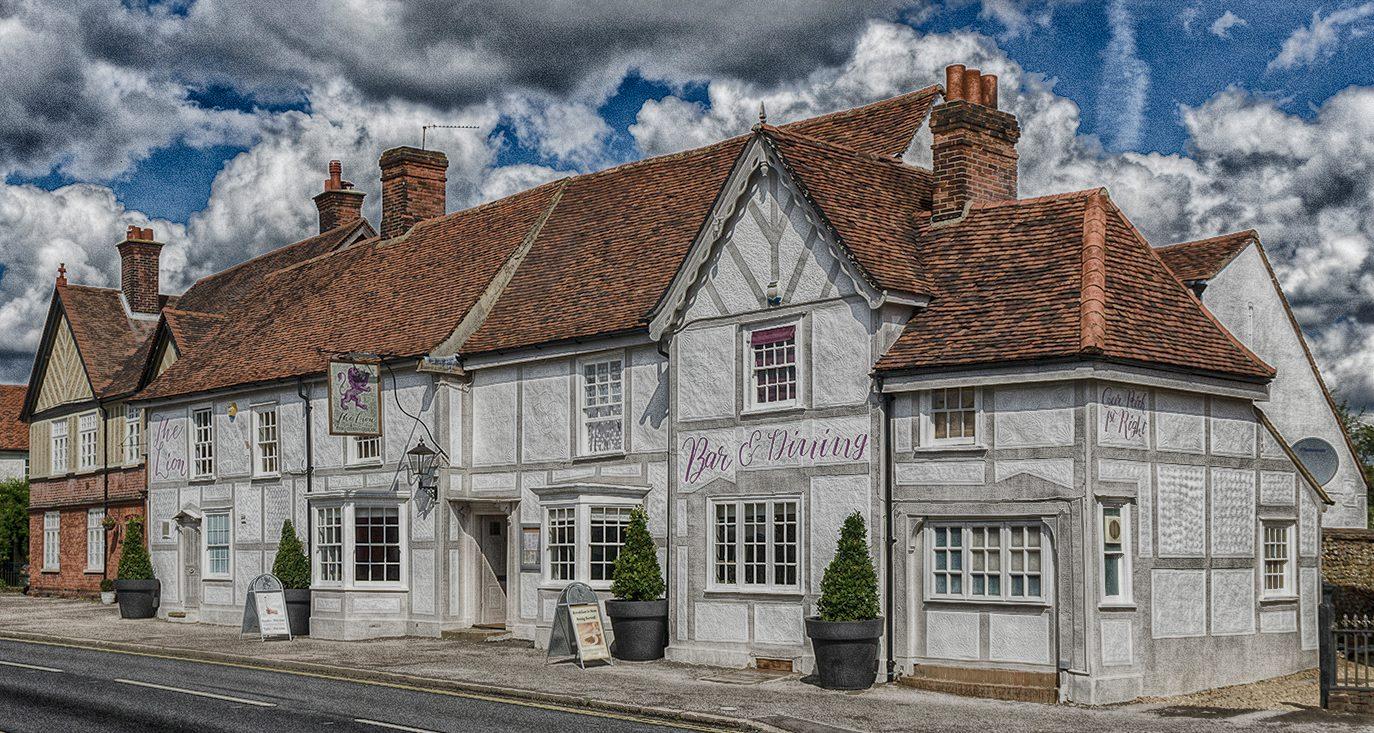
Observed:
{"x":212,"y":120}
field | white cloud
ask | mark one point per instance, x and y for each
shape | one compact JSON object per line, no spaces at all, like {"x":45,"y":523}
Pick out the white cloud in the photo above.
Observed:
{"x":1125,"y":82}
{"x":1188,"y":16}
{"x":1321,"y":38}
{"x":1221,"y":27}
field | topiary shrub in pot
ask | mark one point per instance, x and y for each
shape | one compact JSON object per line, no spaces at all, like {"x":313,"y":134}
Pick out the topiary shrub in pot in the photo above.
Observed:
{"x":292,"y":568}
{"x":845,"y":635}
{"x":137,"y":591}
{"x":638,"y":613}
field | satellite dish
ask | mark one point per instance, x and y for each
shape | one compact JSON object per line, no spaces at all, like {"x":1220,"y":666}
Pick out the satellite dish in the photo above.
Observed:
{"x":1318,"y":457}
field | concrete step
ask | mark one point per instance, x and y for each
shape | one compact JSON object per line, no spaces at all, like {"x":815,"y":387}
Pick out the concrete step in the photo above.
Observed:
{"x":999,"y":684}
{"x":472,"y":634}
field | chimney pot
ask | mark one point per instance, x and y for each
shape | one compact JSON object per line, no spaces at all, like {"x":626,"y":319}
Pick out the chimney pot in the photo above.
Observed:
{"x":338,"y":204}
{"x":62,"y":273}
{"x":413,"y":188}
{"x":973,"y":86}
{"x":954,"y":82}
{"x":138,"y":270}
{"x":989,"y":90}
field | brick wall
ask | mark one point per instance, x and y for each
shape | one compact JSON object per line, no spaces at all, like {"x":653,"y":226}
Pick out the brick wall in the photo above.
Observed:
{"x":413,"y":188}
{"x":974,"y":156}
{"x":87,"y":489}
{"x":1351,"y":701}
{"x":72,"y":577}
{"x":1348,"y":564}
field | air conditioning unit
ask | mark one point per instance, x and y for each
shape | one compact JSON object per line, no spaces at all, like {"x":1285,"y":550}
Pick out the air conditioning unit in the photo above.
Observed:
{"x":1111,"y":528}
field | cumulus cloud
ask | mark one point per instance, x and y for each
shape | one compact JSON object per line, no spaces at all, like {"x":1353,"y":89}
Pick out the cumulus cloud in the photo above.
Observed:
{"x":1320,"y":38}
{"x":1221,"y":27}
{"x":1188,"y":16}
{"x":1125,"y":81}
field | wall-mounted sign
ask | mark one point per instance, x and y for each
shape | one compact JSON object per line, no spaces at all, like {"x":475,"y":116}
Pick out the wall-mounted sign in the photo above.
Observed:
{"x":355,"y":398}
{"x":704,"y":458}
{"x":529,"y":549}
{"x":264,"y":610}
{"x":1319,"y":458}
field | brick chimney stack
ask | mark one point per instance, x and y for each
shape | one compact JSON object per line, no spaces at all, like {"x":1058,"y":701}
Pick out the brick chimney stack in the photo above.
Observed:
{"x":974,"y":149}
{"x":138,"y":263}
{"x":413,"y":182}
{"x":340,"y":203}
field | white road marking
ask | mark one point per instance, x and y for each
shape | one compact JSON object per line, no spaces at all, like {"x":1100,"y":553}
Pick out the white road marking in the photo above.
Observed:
{"x":198,"y":693}
{"x":30,"y":666}
{"x":392,"y":726}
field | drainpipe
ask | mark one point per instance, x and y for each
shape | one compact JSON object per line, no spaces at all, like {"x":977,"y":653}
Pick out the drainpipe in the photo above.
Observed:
{"x":668,"y":490}
{"x":888,"y":547}
{"x":105,"y":476}
{"x":309,"y":470}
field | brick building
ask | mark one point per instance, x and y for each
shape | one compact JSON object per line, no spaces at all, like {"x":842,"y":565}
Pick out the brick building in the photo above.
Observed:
{"x":14,"y":434}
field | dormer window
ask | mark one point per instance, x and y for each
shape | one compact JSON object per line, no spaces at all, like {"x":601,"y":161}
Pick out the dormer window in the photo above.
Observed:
{"x":952,"y":416}
{"x":773,"y":366}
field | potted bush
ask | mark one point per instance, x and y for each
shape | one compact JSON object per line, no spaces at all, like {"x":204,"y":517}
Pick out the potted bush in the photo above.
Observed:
{"x":107,"y":591}
{"x":845,"y":635}
{"x":638,"y":613}
{"x":136,"y":589}
{"x":292,"y":568}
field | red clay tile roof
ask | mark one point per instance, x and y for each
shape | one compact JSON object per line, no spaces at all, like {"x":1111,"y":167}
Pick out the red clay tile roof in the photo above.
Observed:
{"x":883,"y":128}
{"x":1203,"y":259}
{"x":14,"y":434}
{"x":105,"y":334}
{"x":1009,"y":282}
{"x":399,"y":297}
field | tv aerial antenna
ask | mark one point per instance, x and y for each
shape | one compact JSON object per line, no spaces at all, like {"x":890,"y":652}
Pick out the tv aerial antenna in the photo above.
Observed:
{"x":424,"y":131}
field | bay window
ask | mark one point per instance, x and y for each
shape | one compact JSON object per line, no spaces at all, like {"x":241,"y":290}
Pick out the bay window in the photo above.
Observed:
{"x":371,"y":534}
{"x":265,"y":449}
{"x":88,"y":440}
{"x":986,"y":561}
{"x":95,"y":540}
{"x":603,"y":407}
{"x":584,"y":533}
{"x":202,"y":443}
{"x":772,"y":367}
{"x":562,"y":545}
{"x":1278,"y":560}
{"x":217,"y":545}
{"x":755,"y":544}
{"x":606,"y":535}
{"x":57,"y":450}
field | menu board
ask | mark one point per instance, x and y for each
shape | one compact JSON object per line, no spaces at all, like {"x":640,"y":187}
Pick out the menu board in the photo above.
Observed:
{"x":588,"y":634}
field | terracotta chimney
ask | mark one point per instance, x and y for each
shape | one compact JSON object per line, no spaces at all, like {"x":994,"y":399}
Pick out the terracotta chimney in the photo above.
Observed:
{"x":413,"y":183}
{"x":339,"y":204}
{"x":138,"y":264}
{"x":974,"y":150}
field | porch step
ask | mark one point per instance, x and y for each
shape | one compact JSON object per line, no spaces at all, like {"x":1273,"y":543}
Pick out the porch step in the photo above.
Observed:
{"x":999,"y":684}
{"x":183,"y":617}
{"x":472,"y":634}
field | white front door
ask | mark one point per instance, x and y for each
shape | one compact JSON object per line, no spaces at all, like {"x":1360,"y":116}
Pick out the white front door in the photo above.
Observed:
{"x":492,"y":567}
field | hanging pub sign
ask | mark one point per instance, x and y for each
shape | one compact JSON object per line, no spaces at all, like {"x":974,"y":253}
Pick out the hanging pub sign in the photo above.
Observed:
{"x":264,"y":610}
{"x":355,"y":398}
{"x":577,"y":627}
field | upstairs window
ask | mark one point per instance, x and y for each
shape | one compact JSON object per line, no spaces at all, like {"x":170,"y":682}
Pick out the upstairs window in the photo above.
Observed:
{"x":364,"y":451}
{"x":773,"y":366}
{"x":58,"y":447}
{"x":954,"y":415}
{"x":202,"y":443}
{"x":265,"y":454}
{"x":88,"y":440}
{"x":133,"y":435}
{"x":603,"y":407}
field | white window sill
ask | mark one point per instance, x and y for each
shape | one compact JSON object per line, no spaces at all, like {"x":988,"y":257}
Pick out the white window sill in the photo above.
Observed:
{"x":94,"y":571}
{"x":744,"y":590}
{"x":1279,"y":599}
{"x":265,"y":476}
{"x":558,"y":585}
{"x":1029,"y":603}
{"x":217,"y":578}
{"x":772,"y":409}
{"x":950,"y":448}
{"x":201,"y":480}
{"x":1116,"y":606}
{"x":362,"y":464}
{"x":380,"y":588}
{"x":51,"y":570}
{"x":590,"y":457}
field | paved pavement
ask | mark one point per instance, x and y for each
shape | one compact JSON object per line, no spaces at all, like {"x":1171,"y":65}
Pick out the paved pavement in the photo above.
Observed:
{"x":51,"y":688}
{"x":771,"y":702}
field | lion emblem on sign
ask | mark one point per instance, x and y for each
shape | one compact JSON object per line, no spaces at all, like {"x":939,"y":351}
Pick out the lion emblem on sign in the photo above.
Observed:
{"x":353,"y":384}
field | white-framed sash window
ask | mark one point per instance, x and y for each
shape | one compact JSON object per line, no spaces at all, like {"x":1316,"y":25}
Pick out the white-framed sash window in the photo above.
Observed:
{"x":266,"y":449}
{"x":88,"y":440}
{"x":329,"y":545}
{"x":987,"y":561}
{"x":562,"y":543}
{"x":202,"y":443}
{"x":1114,"y":543}
{"x":58,"y":446}
{"x":377,"y":545}
{"x":1278,"y":560}
{"x":218,"y":541}
{"x":952,"y":416}
{"x":606,"y":527}
{"x":360,"y":544}
{"x":52,"y":541}
{"x":364,"y":450}
{"x":756,"y":544}
{"x":773,"y":375}
{"x":602,"y":407}
{"x":95,"y":540}
{"x":133,"y":435}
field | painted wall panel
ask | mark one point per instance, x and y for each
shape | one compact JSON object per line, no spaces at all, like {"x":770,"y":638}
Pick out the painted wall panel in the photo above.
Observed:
{"x":1181,"y":501}
{"x":706,"y":372}
{"x":1033,"y":416}
{"x":494,"y":416}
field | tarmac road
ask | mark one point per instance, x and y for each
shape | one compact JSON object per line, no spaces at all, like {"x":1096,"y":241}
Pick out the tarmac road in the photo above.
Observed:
{"x":57,"y":688}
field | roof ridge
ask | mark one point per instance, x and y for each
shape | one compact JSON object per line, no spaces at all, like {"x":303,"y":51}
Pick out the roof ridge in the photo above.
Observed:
{"x":1065,"y":196}
{"x":234,"y":268}
{"x":932,"y":89}
{"x":1247,"y":233}
{"x":1092,"y":307}
{"x":775,"y":130}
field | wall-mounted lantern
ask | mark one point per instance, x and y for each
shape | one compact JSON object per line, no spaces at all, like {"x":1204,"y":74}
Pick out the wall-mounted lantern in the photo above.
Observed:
{"x":424,"y":465}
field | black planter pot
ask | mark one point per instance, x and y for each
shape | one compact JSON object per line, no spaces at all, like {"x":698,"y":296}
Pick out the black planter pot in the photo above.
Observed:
{"x":641,"y":629}
{"x":137,"y":598}
{"x":298,"y":610}
{"x":846,"y":652}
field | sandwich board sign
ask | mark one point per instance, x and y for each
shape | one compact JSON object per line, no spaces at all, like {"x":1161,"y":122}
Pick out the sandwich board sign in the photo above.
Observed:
{"x":578,"y":630}
{"x":264,"y":611}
